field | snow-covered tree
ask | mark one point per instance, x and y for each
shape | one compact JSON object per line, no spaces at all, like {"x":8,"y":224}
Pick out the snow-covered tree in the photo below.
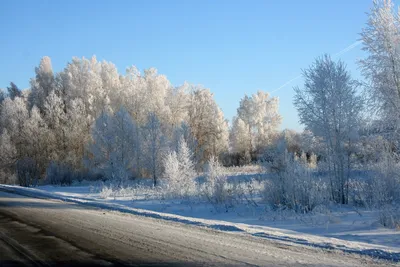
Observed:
{"x":13,"y":117}
{"x":8,"y":156}
{"x":76,"y":133}
{"x":177,"y":101}
{"x":172,"y":171}
{"x":60,"y":110}
{"x":240,"y":140}
{"x":43,"y":84}
{"x":179,"y":170}
{"x":208,"y":125}
{"x":185,"y":158}
{"x":154,"y":144}
{"x":184,"y":132}
{"x":381,"y":41}
{"x":330,"y":107}
{"x":259,"y":113}
{"x":216,"y":189}
{"x":86,"y":80}
{"x":157,"y":87}
{"x":56,"y":118}
{"x":13,"y":91}
{"x":39,"y":140}
{"x":2,"y":97}
{"x":111,"y":152}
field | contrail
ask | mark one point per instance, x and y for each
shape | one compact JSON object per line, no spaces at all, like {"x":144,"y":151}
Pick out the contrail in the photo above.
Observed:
{"x":347,"y":49}
{"x":286,"y":83}
{"x":341,"y":52}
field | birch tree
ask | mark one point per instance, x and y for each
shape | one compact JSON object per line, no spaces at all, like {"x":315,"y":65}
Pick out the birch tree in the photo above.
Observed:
{"x":259,"y":113}
{"x":240,"y":140}
{"x":329,"y":106}
{"x":381,"y":66}
{"x":111,"y":152}
{"x":42,"y":85}
{"x":208,"y":125}
{"x":154,"y":144}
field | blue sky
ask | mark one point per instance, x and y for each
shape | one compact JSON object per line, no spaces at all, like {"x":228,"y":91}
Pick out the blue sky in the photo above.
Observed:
{"x":232,"y":47}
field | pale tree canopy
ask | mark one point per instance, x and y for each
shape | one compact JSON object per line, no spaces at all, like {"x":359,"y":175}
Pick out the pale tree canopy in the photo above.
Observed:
{"x":260,"y":114}
{"x":381,"y":66}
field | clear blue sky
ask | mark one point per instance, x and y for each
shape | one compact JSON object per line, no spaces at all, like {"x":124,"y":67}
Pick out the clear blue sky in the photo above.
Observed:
{"x":232,"y":47}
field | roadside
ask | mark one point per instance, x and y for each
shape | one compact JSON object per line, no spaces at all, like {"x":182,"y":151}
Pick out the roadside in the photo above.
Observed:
{"x":77,"y":232}
{"x":271,"y":233}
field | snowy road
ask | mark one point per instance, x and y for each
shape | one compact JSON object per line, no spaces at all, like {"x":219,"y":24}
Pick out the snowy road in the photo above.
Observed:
{"x":37,"y":232}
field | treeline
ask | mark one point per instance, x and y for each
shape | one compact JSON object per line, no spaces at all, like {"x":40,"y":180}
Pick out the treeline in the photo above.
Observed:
{"x":76,"y":120}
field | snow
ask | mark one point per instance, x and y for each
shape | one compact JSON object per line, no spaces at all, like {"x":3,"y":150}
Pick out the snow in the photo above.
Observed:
{"x":349,"y":230}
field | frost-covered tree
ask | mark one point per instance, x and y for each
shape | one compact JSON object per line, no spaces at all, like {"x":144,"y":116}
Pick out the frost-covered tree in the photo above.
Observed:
{"x":85,"y":79}
{"x":179,"y":171}
{"x":13,"y":116}
{"x":330,"y":107}
{"x":43,"y":84}
{"x":208,"y":125}
{"x":13,"y":91}
{"x":172,"y":171}
{"x":177,"y":101}
{"x":154,"y":144}
{"x":111,"y":152}
{"x":240,"y":140}
{"x":60,"y":110}
{"x":259,"y":113}
{"x":76,"y":133}
{"x":133,"y":94}
{"x":38,"y":139}
{"x":381,"y":67}
{"x":157,"y":87}
{"x":8,"y":156}
{"x":2,"y":97}
{"x":184,"y":132}
{"x":185,"y":158}
{"x":216,"y":189}
{"x":56,"y":119}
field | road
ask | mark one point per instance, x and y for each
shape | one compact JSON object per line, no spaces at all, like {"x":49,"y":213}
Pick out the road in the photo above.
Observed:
{"x":37,"y":232}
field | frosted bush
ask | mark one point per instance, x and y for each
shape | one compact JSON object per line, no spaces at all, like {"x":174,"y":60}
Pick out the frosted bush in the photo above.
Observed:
{"x":216,"y":189}
{"x":245,"y":169}
{"x":386,"y":182}
{"x":106,"y":192}
{"x":294,"y":185}
{"x":382,"y":185}
{"x":179,"y":172}
{"x":389,"y":216}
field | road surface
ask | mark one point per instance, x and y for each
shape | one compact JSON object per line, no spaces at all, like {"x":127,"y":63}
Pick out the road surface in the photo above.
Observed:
{"x":37,"y":232}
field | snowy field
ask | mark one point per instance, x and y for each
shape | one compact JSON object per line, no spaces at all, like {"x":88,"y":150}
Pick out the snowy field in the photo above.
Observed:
{"x":347,"y":229}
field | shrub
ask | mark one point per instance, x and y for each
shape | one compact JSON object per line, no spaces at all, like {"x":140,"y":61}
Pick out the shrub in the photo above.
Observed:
{"x":60,"y":174}
{"x":7,"y":177}
{"x":27,"y":172}
{"x":389,"y":216}
{"x":294,"y":184}
{"x":216,"y":189}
